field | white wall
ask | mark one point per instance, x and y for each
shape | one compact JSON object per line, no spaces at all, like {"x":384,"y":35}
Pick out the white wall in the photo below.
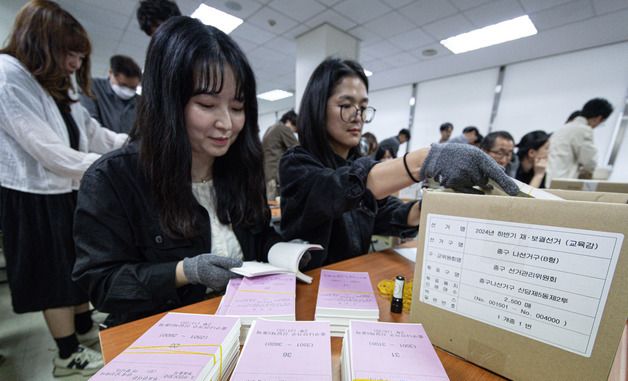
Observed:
{"x":462,"y":100}
{"x":393,"y":111}
{"x":540,"y":94}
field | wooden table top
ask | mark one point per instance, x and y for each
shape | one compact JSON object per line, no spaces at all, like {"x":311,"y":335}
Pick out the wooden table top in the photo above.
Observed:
{"x":380,"y":265}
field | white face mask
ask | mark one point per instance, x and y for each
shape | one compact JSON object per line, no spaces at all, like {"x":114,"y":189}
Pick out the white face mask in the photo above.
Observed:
{"x":123,"y":92}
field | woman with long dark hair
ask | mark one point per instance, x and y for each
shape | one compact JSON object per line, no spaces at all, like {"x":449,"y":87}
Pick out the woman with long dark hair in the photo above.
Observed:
{"x":161,"y":221}
{"x":332,"y":196}
{"x":533,"y":150}
{"x":47,"y":141}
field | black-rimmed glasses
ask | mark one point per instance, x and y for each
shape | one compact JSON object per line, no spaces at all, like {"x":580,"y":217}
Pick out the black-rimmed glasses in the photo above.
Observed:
{"x":348,"y":113}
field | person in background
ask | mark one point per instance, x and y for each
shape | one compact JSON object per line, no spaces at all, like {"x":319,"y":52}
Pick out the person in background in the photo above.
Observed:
{"x":383,"y":155}
{"x":368,"y":145}
{"x":470,"y":135}
{"x":47,"y":141}
{"x":277,"y":139}
{"x":446,"y":129}
{"x":572,"y":151}
{"x":392,"y":144}
{"x":161,"y":222}
{"x":573,"y":116}
{"x":152,"y":13}
{"x":330,"y":195}
{"x":114,"y":99}
{"x":500,"y":146}
{"x":532,"y":150}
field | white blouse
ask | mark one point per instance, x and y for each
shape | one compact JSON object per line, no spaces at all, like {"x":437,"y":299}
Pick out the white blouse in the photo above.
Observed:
{"x":224,"y":241}
{"x":35,"y":152}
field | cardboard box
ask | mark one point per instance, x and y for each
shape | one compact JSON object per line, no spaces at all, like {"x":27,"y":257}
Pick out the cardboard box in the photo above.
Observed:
{"x":616,"y":198}
{"x":495,"y":304}
{"x":589,"y":185}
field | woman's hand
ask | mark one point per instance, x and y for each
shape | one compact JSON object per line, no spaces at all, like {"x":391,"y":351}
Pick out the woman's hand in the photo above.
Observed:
{"x":210,"y":270}
{"x":462,"y":166}
{"x":540,"y":166}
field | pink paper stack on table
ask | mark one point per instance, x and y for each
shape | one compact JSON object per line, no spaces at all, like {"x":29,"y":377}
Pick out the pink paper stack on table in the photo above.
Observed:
{"x":269,"y":297}
{"x":180,"y":346}
{"x":389,"y":351}
{"x":344,"y":296}
{"x":287,"y":351}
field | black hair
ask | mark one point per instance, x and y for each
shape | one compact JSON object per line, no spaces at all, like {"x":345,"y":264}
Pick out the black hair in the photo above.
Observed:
{"x":290,"y":116}
{"x":573,"y":116}
{"x":597,"y":107}
{"x":531,"y":141}
{"x":406,"y":132}
{"x":446,"y":126}
{"x":124,"y":65}
{"x":379,"y":154}
{"x":186,"y":58}
{"x":312,"y":120}
{"x":489,"y":140}
{"x":152,"y":13}
{"x":471,"y":129}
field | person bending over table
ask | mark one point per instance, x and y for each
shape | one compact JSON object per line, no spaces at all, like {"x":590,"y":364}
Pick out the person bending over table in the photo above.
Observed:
{"x":47,"y":141}
{"x":163,"y":220}
{"x":332,"y":196}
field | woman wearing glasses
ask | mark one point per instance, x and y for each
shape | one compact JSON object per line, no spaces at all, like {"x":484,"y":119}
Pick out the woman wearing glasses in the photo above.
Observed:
{"x":332,"y":196}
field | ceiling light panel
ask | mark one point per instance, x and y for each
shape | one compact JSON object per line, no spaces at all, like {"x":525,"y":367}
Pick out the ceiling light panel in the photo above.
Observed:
{"x":505,"y":31}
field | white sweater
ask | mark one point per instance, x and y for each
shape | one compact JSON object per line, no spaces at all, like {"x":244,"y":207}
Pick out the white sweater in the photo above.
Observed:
{"x":572,"y":148}
{"x":35,"y":153}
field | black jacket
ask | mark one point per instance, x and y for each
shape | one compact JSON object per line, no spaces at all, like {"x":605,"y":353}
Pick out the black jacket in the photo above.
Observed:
{"x":333,"y":207}
{"x":124,"y":259}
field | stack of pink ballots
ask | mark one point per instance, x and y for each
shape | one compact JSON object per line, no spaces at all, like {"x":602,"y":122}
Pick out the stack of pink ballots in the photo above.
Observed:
{"x":285,"y":351}
{"x":344,"y":296}
{"x":269,"y":297}
{"x":182,"y":347}
{"x":389,"y":351}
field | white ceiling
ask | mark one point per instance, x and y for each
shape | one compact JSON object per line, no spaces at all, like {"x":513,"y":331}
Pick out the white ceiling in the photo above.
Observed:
{"x":393,"y":33}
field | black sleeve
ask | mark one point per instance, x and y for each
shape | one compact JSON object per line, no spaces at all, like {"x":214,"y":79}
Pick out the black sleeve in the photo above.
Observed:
{"x":312,"y":194}
{"x":257,"y":241}
{"x":392,"y":218}
{"x":109,"y":265}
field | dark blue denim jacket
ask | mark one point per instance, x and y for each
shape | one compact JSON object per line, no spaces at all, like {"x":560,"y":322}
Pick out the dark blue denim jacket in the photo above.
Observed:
{"x":333,"y":207}
{"x":124,"y":260}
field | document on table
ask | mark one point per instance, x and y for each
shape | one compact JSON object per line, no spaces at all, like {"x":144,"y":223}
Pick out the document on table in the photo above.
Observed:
{"x":407,"y":252}
{"x":546,"y":283}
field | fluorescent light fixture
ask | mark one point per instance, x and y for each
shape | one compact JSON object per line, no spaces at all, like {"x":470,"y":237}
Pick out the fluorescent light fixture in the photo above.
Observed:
{"x":490,"y":35}
{"x":412,"y":101}
{"x":368,"y":73}
{"x":216,"y":18}
{"x":274,"y":95}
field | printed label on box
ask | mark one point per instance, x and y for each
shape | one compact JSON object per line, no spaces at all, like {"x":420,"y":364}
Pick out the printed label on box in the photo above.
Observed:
{"x":546,"y":283}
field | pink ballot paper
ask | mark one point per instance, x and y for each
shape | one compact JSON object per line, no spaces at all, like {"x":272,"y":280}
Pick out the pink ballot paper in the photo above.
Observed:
{"x":179,"y":347}
{"x":392,"y":352}
{"x":285,"y":351}
{"x":340,"y":291}
{"x":225,"y":302}
{"x":265,"y":296}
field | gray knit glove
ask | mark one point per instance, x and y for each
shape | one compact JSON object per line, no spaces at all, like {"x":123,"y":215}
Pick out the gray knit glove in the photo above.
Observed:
{"x":210,"y":270}
{"x":461,"y":166}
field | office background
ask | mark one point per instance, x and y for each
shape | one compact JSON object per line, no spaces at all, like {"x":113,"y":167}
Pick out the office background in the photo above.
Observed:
{"x":580,"y":52}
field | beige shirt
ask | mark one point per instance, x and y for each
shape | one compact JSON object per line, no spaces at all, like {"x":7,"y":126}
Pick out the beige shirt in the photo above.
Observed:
{"x":572,"y":149}
{"x":277,"y":139}
{"x":224,"y":241}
